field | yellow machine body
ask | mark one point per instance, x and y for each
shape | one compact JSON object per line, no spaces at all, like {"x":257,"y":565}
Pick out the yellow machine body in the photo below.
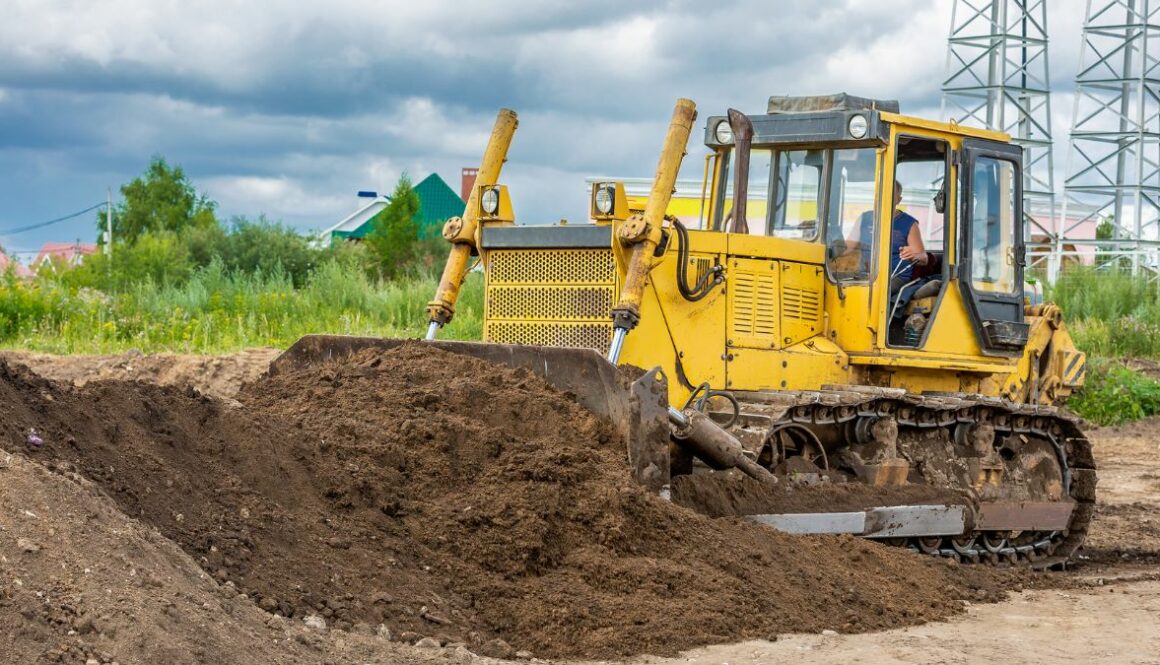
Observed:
{"x":780,"y":319}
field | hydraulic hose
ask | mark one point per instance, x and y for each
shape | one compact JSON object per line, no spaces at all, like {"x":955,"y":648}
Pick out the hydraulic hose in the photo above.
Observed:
{"x":704,"y":285}
{"x":700,"y":397}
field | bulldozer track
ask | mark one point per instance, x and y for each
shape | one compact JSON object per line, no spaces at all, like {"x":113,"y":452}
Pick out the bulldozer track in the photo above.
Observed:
{"x":836,"y":406}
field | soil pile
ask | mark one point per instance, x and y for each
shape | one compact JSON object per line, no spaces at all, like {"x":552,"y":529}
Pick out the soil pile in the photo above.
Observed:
{"x":446,"y":497}
{"x":220,"y":376}
{"x":81,"y":582}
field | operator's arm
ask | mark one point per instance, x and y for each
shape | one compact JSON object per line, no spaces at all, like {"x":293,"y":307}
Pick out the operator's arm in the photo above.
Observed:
{"x":854,"y":242}
{"x":914,"y":249}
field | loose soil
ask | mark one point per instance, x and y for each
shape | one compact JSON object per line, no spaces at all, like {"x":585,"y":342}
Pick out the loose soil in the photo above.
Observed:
{"x":82,"y":582}
{"x":220,"y":376}
{"x":445,"y":497}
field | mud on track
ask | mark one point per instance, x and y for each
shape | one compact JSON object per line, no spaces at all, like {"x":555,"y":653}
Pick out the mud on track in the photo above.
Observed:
{"x":445,"y":497}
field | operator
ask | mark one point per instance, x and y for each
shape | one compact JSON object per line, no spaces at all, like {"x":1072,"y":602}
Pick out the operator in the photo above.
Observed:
{"x":905,"y":242}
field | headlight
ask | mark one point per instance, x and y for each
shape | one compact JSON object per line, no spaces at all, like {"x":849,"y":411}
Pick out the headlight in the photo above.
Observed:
{"x":490,"y":201}
{"x":603,"y":199}
{"x":723,"y":132}
{"x":858,"y":126}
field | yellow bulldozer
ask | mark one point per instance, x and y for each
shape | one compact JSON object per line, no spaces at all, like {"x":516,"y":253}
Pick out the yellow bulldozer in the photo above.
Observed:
{"x":786,"y":333}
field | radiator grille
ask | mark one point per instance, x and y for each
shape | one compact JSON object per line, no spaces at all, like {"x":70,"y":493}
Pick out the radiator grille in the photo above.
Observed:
{"x":554,"y":297}
{"x":550,"y":302}
{"x":557,"y":266}
{"x":575,"y":335}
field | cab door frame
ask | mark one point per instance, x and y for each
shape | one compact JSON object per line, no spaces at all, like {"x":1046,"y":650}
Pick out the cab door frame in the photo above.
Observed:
{"x":997,"y":316}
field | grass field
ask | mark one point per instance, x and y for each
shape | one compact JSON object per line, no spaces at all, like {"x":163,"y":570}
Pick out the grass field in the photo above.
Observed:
{"x":1110,"y":314}
{"x":216,"y":311}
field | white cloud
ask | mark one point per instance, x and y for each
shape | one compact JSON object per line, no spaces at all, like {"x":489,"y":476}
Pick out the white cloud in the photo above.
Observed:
{"x":289,"y":108}
{"x":277,"y":197}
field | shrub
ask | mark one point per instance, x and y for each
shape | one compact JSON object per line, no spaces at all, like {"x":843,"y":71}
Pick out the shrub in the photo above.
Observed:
{"x":1114,"y":394}
{"x":162,"y":257}
{"x":394,"y":235}
{"x":1110,"y":313}
{"x":262,"y":246}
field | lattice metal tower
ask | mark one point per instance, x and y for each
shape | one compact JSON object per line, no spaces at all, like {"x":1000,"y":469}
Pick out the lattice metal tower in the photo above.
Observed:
{"x":998,"y":78}
{"x":1113,"y":162}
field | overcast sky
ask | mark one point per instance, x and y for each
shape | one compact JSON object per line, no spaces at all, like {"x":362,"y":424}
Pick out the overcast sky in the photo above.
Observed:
{"x":288,"y":109}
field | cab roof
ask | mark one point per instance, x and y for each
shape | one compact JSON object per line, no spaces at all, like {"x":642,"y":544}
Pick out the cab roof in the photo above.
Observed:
{"x":825,"y":120}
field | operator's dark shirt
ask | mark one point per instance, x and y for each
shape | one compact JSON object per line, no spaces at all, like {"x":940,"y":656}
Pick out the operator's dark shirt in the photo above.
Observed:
{"x":899,"y":235}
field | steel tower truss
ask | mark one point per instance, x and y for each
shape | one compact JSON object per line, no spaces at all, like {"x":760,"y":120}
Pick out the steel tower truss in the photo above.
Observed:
{"x":998,"y":78}
{"x":1113,"y":161}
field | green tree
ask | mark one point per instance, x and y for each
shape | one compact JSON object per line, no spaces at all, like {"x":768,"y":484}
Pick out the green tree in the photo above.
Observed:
{"x":394,"y":235}
{"x":162,"y":199}
{"x":262,"y":246}
{"x":1106,"y":253}
{"x":162,"y":257}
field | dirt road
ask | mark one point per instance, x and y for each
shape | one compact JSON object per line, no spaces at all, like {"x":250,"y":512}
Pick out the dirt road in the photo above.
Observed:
{"x":1117,"y":625}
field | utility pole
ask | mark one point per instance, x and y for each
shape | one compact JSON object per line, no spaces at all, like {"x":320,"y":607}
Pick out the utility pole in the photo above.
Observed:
{"x":109,"y":224}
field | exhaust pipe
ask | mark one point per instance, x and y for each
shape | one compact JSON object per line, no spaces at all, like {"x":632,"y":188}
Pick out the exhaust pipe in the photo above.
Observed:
{"x":742,"y":138}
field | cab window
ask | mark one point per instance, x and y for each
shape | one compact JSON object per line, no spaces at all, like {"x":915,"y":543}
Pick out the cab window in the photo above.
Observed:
{"x":757,"y":195}
{"x":851,"y":213}
{"x":797,"y":194}
{"x":993,"y":220}
{"x":792,"y":180}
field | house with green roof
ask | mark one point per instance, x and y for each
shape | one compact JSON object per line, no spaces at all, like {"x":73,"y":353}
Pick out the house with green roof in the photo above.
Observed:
{"x":437,"y":203}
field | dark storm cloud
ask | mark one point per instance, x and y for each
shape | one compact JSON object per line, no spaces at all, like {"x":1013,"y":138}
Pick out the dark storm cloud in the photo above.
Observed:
{"x":290,"y":109}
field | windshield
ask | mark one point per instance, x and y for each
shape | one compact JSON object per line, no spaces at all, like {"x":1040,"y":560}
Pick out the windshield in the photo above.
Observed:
{"x":795,"y":180}
{"x":788,"y":190}
{"x":850,"y":218}
{"x":756,"y":195}
{"x":797,"y":194}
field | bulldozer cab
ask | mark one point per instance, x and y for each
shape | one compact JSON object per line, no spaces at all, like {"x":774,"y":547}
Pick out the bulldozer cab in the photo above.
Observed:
{"x":827,"y":171}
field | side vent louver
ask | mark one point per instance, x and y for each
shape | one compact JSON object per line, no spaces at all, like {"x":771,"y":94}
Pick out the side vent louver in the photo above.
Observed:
{"x":753,"y":307}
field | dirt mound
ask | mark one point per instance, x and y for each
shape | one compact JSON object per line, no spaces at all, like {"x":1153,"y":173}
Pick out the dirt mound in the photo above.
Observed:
{"x":80,"y":581}
{"x":220,"y":376}
{"x":444,"y":496}
{"x":1146,"y":366}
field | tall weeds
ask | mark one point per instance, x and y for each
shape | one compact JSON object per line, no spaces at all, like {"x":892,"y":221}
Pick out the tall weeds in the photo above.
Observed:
{"x":1110,"y":313}
{"x":216,"y":310}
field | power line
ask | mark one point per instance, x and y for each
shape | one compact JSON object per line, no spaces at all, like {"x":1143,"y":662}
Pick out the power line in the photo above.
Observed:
{"x":50,"y":222}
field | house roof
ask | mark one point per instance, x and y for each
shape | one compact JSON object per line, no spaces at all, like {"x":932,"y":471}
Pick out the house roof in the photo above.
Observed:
{"x":356,"y":222}
{"x":19,"y":268}
{"x":70,"y":252}
{"x":437,"y":202}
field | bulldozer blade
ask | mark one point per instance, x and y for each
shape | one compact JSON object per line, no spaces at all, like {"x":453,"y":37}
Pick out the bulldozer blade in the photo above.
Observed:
{"x":638,"y":408}
{"x":884,"y":522}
